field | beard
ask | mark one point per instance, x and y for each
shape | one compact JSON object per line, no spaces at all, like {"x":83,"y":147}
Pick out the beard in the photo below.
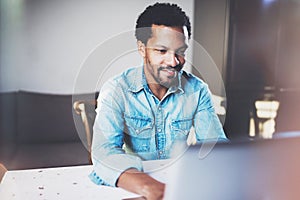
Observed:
{"x":172,"y":75}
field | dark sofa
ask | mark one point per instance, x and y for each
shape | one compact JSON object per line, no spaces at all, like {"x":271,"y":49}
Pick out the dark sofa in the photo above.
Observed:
{"x":38,"y":130}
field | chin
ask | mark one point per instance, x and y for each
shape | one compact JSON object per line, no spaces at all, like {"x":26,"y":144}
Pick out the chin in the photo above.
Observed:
{"x":167,"y":84}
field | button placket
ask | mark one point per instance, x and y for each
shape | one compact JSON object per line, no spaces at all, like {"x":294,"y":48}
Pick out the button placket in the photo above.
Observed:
{"x":160,"y":135}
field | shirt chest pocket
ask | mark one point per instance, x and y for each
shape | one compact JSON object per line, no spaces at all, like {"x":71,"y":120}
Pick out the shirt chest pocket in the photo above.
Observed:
{"x":180,"y":128}
{"x":138,"y":133}
{"x":139,"y":126}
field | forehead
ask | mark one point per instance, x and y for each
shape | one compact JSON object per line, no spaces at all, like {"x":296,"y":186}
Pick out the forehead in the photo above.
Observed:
{"x":168,"y":36}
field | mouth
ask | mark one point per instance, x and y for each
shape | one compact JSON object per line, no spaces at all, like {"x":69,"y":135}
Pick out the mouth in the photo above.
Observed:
{"x":171,"y":72}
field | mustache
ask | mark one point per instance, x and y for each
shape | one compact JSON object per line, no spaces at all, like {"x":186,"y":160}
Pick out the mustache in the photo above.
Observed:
{"x":176,"y":68}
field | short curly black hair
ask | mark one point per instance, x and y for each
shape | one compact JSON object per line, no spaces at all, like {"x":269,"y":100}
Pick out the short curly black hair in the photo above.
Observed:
{"x":166,"y":14}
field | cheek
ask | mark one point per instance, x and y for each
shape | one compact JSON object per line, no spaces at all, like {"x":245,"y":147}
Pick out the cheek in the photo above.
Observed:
{"x":181,"y":60}
{"x":156,"y":61}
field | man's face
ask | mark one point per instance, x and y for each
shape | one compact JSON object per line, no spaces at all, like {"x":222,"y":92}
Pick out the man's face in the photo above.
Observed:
{"x":164,"y":54}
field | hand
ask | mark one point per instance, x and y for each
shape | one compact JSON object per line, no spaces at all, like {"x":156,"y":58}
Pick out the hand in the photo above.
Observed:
{"x":141,"y":183}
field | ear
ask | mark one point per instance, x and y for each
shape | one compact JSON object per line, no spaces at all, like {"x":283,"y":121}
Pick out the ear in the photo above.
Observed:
{"x":141,"y":48}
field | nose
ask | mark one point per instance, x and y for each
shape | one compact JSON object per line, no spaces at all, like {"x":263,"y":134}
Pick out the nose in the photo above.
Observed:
{"x":172,"y":59}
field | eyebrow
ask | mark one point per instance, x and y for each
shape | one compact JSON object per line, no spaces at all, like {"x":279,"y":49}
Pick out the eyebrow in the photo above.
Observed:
{"x":162,"y":46}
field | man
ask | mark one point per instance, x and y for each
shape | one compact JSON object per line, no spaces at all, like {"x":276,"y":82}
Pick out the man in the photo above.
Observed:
{"x":146,"y":113}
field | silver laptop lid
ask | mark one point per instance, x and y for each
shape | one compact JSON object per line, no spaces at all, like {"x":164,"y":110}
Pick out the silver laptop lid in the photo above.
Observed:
{"x":266,"y":169}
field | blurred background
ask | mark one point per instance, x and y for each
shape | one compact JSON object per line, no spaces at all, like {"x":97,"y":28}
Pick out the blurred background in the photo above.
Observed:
{"x":254,"y":44}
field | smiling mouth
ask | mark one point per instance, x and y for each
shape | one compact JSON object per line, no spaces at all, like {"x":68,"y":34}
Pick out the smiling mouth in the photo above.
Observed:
{"x":171,"y":73}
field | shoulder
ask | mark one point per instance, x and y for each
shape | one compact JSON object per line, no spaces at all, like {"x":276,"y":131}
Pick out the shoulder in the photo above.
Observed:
{"x":117,"y":86}
{"x":124,"y":79}
{"x":192,"y":83}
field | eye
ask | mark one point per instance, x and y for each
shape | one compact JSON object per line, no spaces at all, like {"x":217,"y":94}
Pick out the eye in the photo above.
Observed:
{"x":162,"y":51}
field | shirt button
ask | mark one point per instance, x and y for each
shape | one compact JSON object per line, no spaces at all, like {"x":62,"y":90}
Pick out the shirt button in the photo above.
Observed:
{"x":159,"y":108}
{"x":160,"y":152}
{"x":159,"y":130}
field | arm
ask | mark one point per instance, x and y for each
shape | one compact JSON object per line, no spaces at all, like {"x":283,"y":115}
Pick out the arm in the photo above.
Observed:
{"x":141,"y":183}
{"x":109,"y":159}
{"x":206,"y":122}
{"x":111,"y":163}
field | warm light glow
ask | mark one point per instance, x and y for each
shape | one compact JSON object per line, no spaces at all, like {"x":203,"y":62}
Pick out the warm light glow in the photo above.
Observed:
{"x":266,"y":109}
{"x":252,"y":127}
{"x":266,"y":112}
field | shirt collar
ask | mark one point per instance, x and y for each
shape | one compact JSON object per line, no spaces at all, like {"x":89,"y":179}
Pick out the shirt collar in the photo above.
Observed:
{"x":138,"y":82}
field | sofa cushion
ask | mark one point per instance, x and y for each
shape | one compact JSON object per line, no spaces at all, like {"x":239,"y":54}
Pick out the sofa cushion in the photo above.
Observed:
{"x":45,"y":118}
{"x":38,"y":130}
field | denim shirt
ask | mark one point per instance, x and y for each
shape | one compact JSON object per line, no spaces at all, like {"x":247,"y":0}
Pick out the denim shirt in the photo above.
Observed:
{"x":132,"y":125}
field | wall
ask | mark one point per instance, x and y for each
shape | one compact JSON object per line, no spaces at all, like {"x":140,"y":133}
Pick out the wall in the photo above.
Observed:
{"x":211,"y":32}
{"x":44,"y":43}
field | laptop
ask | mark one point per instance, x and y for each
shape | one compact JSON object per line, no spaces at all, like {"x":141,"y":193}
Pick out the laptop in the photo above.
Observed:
{"x":256,"y":170}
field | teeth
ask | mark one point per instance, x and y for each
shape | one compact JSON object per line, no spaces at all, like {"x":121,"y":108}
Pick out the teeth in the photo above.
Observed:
{"x":170,"y":70}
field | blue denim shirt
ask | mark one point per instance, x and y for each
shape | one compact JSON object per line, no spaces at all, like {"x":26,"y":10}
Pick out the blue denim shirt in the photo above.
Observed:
{"x":133,"y":125}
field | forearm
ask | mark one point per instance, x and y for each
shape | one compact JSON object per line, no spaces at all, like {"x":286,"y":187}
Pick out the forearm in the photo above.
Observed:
{"x":141,"y":183}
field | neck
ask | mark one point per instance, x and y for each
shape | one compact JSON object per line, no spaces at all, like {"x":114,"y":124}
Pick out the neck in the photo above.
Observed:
{"x":158,"y":90}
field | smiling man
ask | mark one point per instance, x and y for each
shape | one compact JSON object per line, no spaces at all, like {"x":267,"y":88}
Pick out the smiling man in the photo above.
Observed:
{"x":163,"y":57}
{"x":146,"y":113}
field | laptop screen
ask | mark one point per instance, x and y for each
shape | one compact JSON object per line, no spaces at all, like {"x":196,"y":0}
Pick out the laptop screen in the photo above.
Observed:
{"x":265,"y":169}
